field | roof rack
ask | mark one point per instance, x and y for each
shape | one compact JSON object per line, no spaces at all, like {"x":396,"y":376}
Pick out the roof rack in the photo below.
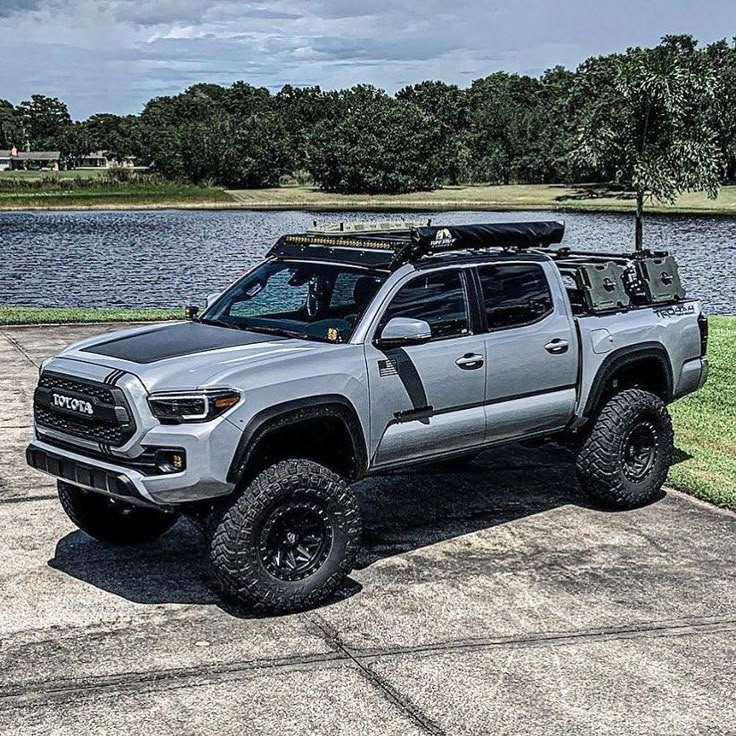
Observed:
{"x":389,"y":226}
{"x":389,"y":245}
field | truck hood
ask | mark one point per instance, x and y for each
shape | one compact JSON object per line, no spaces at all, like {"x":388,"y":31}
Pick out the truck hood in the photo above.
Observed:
{"x":190,"y":354}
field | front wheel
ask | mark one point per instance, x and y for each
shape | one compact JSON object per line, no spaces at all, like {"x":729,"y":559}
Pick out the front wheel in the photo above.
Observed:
{"x":289,"y":540}
{"x":111,"y":521}
{"x":624,"y":459}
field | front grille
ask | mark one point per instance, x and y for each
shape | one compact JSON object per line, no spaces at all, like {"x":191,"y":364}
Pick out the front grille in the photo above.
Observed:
{"x":88,"y":388}
{"x":111,"y":422}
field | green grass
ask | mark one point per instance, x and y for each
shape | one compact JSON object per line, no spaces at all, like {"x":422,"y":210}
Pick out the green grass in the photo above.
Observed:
{"x":72,"y":174}
{"x":164,"y":194}
{"x":705,"y":425}
{"x":79,"y":190}
{"x":57,"y":315}
{"x":511,"y":197}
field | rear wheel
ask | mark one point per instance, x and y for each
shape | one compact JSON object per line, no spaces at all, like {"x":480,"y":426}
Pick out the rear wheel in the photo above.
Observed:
{"x":289,"y":540}
{"x":110,"y":520}
{"x":624,"y":459}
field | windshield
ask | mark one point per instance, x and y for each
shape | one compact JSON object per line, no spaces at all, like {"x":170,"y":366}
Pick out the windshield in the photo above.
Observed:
{"x":317,"y":301}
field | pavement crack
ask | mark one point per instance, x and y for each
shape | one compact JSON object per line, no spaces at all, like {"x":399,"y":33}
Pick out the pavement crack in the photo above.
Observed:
{"x":414,"y":713}
{"x":45,"y":690}
{"x":650,"y":629}
{"x":19,"y":348}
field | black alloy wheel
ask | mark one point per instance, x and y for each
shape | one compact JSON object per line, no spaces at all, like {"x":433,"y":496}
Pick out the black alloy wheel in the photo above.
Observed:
{"x":296,"y":539}
{"x":640,"y":450}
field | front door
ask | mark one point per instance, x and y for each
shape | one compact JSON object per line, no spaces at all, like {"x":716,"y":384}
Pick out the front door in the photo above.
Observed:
{"x":531,"y":352}
{"x":428,"y":399}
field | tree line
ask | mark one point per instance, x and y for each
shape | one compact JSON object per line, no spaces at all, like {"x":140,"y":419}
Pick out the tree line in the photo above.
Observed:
{"x":655,"y":121}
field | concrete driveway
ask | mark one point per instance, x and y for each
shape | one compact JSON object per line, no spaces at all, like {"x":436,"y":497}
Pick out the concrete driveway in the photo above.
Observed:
{"x":491,"y":601}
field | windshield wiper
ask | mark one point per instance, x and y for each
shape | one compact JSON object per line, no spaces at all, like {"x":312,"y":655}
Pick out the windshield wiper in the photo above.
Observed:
{"x":218,"y":323}
{"x":275,"y":331}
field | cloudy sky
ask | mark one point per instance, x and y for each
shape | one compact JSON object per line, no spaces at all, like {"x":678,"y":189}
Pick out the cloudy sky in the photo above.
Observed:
{"x":113,"y":55}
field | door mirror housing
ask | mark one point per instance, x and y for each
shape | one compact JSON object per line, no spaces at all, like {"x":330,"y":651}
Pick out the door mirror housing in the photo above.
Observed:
{"x":404,"y":331}
{"x":211,"y":299}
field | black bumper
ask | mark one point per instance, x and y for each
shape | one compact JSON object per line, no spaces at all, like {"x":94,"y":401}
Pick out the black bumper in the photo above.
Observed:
{"x":82,"y":474}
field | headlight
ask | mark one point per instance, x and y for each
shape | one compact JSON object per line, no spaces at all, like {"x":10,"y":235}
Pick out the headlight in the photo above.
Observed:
{"x":174,"y":407}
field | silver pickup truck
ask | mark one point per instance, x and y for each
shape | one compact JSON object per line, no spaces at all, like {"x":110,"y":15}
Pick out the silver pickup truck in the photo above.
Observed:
{"x":353,"y":350}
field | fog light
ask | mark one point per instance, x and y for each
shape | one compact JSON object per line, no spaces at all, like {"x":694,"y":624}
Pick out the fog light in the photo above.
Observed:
{"x":170,"y":461}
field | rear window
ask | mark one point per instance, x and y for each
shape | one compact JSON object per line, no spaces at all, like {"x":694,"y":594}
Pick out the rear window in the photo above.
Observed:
{"x":514,"y":294}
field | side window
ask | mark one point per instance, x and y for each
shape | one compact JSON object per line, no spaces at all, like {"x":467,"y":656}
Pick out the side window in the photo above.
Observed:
{"x":437,"y":298}
{"x":514,"y":295}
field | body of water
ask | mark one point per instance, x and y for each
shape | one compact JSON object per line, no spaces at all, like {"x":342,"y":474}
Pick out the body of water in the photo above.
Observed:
{"x":171,"y":258}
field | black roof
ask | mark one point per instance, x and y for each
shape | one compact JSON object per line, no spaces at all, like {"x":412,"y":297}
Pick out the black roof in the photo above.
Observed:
{"x":391,"y":247}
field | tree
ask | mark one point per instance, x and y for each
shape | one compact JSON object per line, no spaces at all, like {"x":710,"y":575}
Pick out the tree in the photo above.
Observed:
{"x":300,"y":109}
{"x":228,"y":136}
{"x":507,"y":123}
{"x":722,"y":59}
{"x":10,"y":127}
{"x":650,"y":128}
{"x":376,"y":144}
{"x":448,"y":104}
{"x":44,"y":121}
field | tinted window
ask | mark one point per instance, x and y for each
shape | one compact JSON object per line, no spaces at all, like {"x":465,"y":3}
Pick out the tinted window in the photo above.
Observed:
{"x":514,"y":295}
{"x":439,"y":299}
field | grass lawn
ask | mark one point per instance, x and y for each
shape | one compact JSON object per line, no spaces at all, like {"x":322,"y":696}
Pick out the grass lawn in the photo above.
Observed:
{"x":91,"y":189}
{"x":165,"y":194}
{"x":84,"y":173}
{"x":705,"y":422}
{"x":705,"y":425}
{"x":512,"y":197}
{"x":58,"y":315}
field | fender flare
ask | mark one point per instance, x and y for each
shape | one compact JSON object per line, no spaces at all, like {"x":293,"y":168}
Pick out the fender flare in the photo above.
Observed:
{"x":619,"y":359}
{"x":297,"y":410}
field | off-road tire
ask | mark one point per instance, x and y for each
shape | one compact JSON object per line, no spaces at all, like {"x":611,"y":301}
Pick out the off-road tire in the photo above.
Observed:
{"x":112,"y":522}
{"x":241,"y":546}
{"x":608,"y":463}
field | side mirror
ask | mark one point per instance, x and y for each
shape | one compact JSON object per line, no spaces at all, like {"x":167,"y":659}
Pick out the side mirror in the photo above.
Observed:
{"x":191,"y":311}
{"x":211,"y":299}
{"x":404,"y":331}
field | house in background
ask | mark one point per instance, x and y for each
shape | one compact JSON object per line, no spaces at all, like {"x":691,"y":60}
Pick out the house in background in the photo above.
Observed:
{"x":16,"y":160}
{"x":37,"y":160}
{"x":101,"y":160}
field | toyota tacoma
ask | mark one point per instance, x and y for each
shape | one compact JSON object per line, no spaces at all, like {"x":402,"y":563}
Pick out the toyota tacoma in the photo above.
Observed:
{"x":357,"y":349}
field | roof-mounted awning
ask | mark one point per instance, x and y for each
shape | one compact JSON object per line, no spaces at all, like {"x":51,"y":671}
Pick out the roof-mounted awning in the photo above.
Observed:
{"x":387,"y":245}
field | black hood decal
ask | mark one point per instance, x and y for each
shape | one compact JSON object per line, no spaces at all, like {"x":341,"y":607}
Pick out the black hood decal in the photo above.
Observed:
{"x":174,"y":341}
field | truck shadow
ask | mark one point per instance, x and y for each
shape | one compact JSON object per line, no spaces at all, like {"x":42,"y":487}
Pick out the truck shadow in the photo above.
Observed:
{"x":401,"y":512}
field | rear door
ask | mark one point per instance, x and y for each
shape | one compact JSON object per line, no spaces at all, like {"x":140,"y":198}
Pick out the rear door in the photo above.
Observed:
{"x":531,"y":350}
{"x":428,"y":399}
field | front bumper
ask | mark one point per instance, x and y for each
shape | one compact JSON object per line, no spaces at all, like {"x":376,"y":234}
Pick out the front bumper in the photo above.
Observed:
{"x":208,"y":459}
{"x":101,"y":478}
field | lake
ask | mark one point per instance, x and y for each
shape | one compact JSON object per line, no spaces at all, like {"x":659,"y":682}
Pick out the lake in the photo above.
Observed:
{"x":171,"y":258}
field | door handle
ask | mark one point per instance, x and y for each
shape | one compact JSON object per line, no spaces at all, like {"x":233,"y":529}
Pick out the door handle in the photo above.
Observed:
{"x":557,"y":346}
{"x":469,"y":361}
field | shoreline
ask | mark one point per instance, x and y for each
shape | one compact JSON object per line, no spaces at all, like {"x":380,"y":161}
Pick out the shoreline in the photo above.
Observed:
{"x":560,"y":198}
{"x":429,"y":206}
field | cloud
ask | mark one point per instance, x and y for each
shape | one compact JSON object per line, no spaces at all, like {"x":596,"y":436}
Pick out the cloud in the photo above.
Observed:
{"x":9,"y":7}
{"x":113,"y":55}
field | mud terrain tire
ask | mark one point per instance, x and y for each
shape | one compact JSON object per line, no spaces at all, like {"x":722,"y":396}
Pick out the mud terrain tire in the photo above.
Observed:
{"x":624,"y":458}
{"x":289,"y":540}
{"x":112,"y":521}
